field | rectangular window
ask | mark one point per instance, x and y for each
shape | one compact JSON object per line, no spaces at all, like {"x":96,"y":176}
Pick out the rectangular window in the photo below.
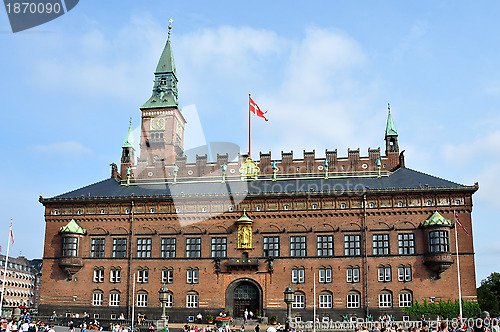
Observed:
{"x":352,"y":245}
{"x":406,"y":244}
{"x":325,"y":275}
{"x":298,"y":246}
{"x":99,"y":275}
{"x":97,"y":247}
{"x":192,"y":301}
{"x":324,"y":245}
{"x":143,"y":276}
{"x":115,"y":275}
{"x":70,"y":246}
{"x":119,"y":248}
{"x":142,"y":299}
{"x":325,"y":301}
{"x":114,"y":299}
{"x":299,"y":301}
{"x":381,"y":244}
{"x":405,"y":299}
{"x":439,"y":241}
{"x":193,"y":247}
{"x":97,"y":298}
{"x":271,"y":246}
{"x":353,"y":274}
{"x":144,"y":247}
{"x":385,"y":300}
{"x":219,"y":247}
{"x":167,"y":276}
{"x":192,"y":276}
{"x":298,"y":276}
{"x":168,"y":245}
{"x":404,"y":273}
{"x":384,"y":274}
{"x":353,"y":300}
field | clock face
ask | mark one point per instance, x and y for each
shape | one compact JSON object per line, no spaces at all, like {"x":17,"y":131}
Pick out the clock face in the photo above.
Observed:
{"x":157,"y":124}
{"x":179,"y":129}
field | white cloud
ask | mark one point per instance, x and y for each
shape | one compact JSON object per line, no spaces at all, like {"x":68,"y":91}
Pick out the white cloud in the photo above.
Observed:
{"x":228,"y":50}
{"x":69,"y":149}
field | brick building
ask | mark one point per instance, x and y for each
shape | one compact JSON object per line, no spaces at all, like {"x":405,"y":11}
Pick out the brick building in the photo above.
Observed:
{"x":232,"y":233}
{"x":21,"y":283}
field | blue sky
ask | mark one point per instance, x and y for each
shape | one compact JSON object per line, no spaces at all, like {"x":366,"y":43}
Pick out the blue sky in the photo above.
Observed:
{"x":325,"y":71}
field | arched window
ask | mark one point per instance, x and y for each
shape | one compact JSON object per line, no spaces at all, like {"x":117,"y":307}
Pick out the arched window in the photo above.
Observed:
{"x":298,"y":275}
{"x":299,"y":300}
{"x":192,"y":300}
{"x":97,"y":297}
{"x":405,"y":298}
{"x":170,"y":300}
{"x":167,"y":275}
{"x":114,"y":298}
{"x":142,"y":299}
{"x":115,"y":274}
{"x":385,"y":299}
{"x":98,"y":274}
{"x":325,"y":299}
{"x":353,"y":299}
{"x":142,"y":275}
{"x":384,"y":273}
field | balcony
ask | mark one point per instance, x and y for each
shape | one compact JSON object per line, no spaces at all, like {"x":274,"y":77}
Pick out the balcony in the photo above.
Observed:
{"x":438,"y":262}
{"x":70,"y":265}
{"x":242,"y":263}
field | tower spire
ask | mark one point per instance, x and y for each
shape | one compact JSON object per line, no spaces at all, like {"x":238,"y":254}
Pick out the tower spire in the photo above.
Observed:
{"x":390,"y":128}
{"x":129,"y":139}
{"x":391,"y":135}
{"x":165,"y":83}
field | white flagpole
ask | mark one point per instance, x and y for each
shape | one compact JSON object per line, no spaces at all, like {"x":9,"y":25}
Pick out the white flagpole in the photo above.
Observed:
{"x":458,"y":268}
{"x":5,"y":269}
{"x":133,"y":303}
{"x":314,"y":303}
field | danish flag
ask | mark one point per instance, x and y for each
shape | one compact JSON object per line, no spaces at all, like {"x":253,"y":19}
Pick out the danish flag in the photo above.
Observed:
{"x":457,"y":221}
{"x":256,"y":110}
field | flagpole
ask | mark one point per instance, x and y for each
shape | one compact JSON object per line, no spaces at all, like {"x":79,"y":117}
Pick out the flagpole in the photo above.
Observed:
{"x":5,"y":269}
{"x":314,"y":303}
{"x":249,"y":129}
{"x":458,"y":267}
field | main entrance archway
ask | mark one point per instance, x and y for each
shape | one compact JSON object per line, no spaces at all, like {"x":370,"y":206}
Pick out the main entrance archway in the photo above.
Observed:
{"x":242,"y":294}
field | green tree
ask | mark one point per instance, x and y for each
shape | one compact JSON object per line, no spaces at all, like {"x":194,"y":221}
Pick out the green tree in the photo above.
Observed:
{"x":447,"y":310}
{"x":488,"y":294}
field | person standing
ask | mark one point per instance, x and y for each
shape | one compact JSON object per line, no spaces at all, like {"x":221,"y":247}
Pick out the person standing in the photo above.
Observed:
{"x":25,"y":326}
{"x":245,"y":315}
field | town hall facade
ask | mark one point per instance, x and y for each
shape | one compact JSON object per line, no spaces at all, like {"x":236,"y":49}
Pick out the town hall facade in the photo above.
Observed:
{"x":360,"y":235}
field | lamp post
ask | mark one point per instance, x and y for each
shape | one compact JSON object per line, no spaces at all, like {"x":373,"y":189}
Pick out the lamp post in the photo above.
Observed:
{"x":289,"y":297}
{"x":163,"y":294}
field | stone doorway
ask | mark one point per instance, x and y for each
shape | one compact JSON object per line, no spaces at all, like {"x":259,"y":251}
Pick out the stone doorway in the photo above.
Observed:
{"x":242,"y":294}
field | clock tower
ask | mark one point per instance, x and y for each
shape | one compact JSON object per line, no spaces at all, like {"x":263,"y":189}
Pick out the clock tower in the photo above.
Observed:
{"x":162,"y":132}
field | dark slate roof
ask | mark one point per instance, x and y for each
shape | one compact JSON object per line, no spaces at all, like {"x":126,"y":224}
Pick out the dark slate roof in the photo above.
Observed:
{"x":403,"y":179}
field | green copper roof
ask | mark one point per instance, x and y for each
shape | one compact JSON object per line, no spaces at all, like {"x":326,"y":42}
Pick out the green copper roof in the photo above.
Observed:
{"x":390,"y":128}
{"x":166,"y":63}
{"x":165,"y":85}
{"x":436,"y":220}
{"x":244,"y":218}
{"x":73,"y":228}
{"x":129,"y":140}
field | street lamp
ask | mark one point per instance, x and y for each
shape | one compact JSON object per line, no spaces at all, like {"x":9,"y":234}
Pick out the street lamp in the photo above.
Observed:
{"x":163,"y":293}
{"x":289,"y":297}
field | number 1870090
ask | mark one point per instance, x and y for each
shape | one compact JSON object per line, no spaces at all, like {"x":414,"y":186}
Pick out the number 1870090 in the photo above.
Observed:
{"x":33,"y":8}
